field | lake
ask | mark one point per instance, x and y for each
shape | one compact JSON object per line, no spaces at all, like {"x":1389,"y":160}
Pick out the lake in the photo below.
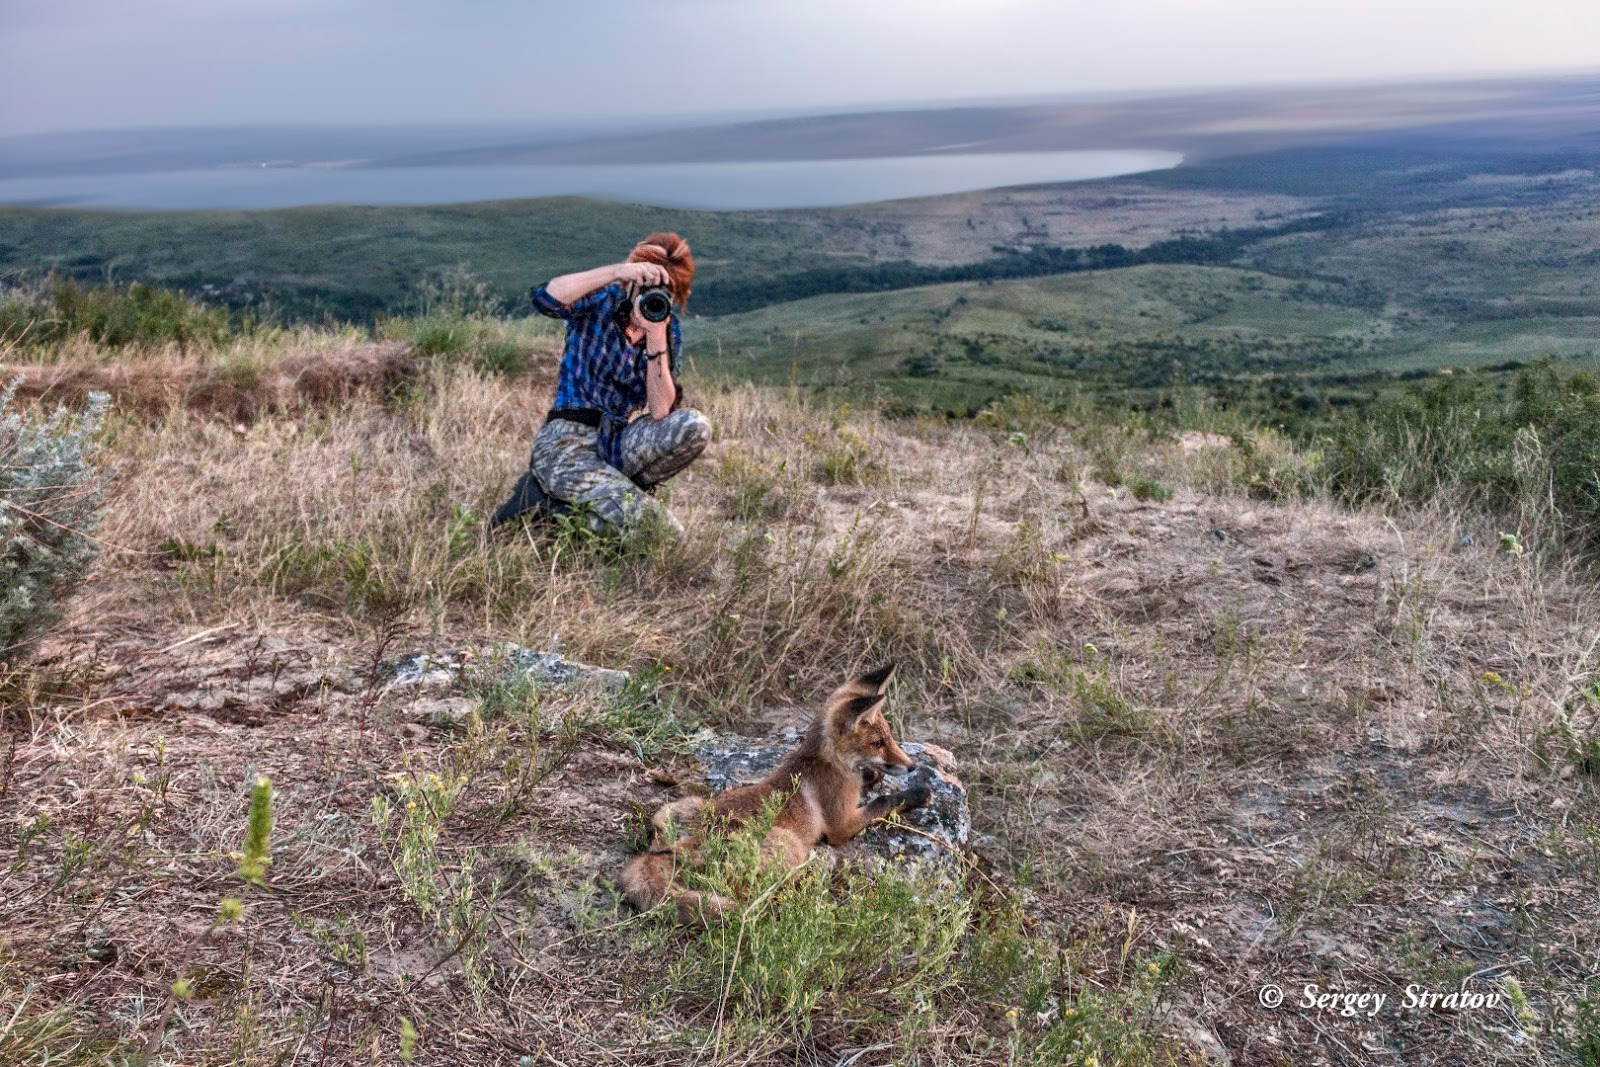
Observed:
{"x":710,"y":186}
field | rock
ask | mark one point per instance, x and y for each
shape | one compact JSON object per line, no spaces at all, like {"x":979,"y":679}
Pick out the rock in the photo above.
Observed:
{"x":98,"y":945}
{"x":939,"y":831}
{"x":444,"y":672}
{"x":446,"y":713}
{"x":425,"y":672}
{"x":547,"y":668}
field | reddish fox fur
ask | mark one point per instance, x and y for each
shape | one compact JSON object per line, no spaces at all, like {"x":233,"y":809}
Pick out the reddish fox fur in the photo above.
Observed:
{"x":846,"y":749}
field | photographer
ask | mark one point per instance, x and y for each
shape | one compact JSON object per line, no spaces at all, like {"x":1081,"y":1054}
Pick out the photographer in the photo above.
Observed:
{"x":621,"y":355}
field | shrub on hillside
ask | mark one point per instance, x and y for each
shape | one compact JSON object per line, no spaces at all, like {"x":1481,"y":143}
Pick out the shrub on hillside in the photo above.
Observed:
{"x":457,"y":318}
{"x":1525,"y":449}
{"x":140,"y":314}
{"x":49,"y":506}
{"x":903,"y":956}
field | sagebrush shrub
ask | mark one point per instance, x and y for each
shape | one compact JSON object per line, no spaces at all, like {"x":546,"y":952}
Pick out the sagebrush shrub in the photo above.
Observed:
{"x":49,"y":507}
{"x":113,"y":316}
{"x":1523,"y":449}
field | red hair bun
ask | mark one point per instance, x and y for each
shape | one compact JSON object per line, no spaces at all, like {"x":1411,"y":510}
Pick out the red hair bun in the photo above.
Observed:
{"x":672,"y":252}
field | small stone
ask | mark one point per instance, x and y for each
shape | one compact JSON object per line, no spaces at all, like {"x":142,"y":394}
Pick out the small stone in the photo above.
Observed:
{"x":98,"y":946}
{"x":444,"y":713}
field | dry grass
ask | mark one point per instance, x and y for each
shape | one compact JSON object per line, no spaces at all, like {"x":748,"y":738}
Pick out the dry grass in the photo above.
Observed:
{"x":242,"y":382}
{"x":1280,"y":742}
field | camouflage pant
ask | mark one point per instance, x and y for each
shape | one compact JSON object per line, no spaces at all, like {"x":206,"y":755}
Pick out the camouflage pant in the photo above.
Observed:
{"x":570,"y":469}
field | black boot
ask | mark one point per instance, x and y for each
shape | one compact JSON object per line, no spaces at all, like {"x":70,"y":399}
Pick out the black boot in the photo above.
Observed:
{"x":528,"y":501}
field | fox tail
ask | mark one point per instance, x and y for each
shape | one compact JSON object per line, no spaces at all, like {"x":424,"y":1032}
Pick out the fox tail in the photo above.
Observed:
{"x":648,"y":880}
{"x":650,"y":877}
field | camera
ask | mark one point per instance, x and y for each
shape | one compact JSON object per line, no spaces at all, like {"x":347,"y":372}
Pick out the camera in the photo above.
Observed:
{"x":654,"y":303}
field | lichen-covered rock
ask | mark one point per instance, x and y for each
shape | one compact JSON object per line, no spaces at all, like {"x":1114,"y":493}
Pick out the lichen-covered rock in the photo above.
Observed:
{"x":937,"y":832}
{"x":425,"y":672}
{"x":438,"y":673}
{"x":548,"y":668}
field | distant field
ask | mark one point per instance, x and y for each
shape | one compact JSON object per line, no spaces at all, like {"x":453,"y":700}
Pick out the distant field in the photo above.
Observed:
{"x":355,"y":262}
{"x":959,"y":346}
{"x":1314,"y":268}
{"x":1495,"y":267}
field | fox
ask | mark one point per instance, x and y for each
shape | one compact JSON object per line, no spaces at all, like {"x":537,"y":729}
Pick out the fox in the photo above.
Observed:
{"x":846,"y":750}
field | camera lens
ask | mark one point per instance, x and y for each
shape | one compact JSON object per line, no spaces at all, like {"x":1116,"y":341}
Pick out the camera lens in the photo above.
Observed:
{"x":655,"y":304}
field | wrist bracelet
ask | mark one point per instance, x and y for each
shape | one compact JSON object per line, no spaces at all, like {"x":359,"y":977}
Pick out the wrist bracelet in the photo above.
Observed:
{"x":655,"y":355}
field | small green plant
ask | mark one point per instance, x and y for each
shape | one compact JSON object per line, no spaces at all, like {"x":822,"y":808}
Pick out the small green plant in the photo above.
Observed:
{"x":49,"y":508}
{"x":1029,"y":560}
{"x":442,"y":335}
{"x":1519,"y":1005}
{"x":851,"y":462}
{"x":253,"y":859}
{"x":501,"y":357}
{"x":450,"y":898}
{"x":408,"y":1041}
{"x":412,"y":826}
{"x":754,"y":490}
{"x":812,"y":950}
{"x":1102,"y":708}
{"x":1049,"y":1013}
{"x":1576,"y":732}
{"x":1145,"y":488}
{"x":1582,"y":1037}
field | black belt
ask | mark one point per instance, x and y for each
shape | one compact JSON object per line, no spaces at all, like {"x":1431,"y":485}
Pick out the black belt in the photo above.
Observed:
{"x":591,"y":417}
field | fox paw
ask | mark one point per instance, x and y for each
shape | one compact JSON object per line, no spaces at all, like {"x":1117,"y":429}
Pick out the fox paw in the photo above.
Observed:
{"x":915,"y":797}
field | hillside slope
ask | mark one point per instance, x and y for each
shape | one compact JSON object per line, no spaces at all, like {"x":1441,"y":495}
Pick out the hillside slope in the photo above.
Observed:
{"x":1215,"y":742}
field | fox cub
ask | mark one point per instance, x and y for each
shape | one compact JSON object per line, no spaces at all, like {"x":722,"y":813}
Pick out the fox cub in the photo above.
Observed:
{"x":846,"y":750}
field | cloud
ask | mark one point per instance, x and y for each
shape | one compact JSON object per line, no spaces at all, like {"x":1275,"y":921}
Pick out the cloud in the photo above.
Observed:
{"x":97,"y":63}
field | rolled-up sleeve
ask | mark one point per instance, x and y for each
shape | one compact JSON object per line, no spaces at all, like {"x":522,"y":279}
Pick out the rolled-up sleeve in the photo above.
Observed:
{"x":600,"y":302}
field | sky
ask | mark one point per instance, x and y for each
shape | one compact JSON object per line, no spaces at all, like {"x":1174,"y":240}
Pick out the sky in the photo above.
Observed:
{"x":111,"y":64}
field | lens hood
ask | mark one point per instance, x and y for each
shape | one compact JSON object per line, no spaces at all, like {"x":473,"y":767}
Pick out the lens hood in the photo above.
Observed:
{"x":654,"y":303}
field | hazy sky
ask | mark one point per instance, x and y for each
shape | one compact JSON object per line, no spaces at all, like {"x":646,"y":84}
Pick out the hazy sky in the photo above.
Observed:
{"x":96,"y":64}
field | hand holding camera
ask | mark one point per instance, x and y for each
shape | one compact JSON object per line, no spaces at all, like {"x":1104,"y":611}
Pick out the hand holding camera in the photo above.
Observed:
{"x":649,"y":292}
{"x":641,"y":274}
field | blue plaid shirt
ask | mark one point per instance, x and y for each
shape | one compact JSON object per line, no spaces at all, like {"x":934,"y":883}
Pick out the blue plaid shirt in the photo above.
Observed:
{"x":599,"y":368}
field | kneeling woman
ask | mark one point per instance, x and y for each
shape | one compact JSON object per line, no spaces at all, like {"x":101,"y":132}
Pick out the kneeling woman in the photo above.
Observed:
{"x":592,"y":453}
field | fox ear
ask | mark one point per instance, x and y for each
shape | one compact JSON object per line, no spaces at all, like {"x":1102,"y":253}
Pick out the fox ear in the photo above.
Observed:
{"x":877,"y":681}
{"x":854,"y":709}
{"x":859,"y":698}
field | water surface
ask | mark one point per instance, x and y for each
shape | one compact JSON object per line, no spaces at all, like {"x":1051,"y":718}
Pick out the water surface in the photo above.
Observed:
{"x":711,"y":186}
